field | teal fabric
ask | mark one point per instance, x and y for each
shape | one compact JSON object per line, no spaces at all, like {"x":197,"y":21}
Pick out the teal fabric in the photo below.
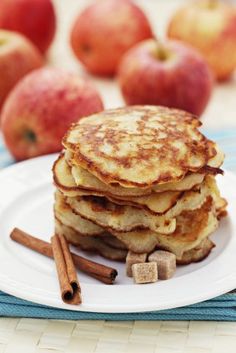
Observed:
{"x":222,"y":308}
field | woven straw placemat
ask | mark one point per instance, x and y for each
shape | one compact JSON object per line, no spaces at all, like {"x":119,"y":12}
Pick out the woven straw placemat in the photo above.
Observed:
{"x":48,"y":336}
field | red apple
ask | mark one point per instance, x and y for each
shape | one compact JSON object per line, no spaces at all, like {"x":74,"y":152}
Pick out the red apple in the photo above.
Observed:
{"x":33,"y":18}
{"x":41,"y":108}
{"x":209,"y":26}
{"x":170,"y":74}
{"x":105,"y":30}
{"x":18,"y":56}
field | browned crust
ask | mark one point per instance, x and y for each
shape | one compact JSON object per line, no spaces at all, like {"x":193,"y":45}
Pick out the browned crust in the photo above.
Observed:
{"x":106,"y":229}
{"x":145,"y":207}
{"x":207,"y":146}
{"x":222,"y":214}
{"x":188,"y":117}
{"x":112,"y":197}
{"x":99,"y":207}
{"x":109,"y":229}
{"x":211,"y":170}
{"x":88,"y":164}
{"x":193,"y":222}
{"x":55,"y":179}
{"x":66,"y":206}
{"x":197,"y":218}
{"x":79,"y":188}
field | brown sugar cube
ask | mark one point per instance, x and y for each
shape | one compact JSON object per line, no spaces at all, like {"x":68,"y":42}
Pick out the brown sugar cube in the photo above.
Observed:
{"x":133,"y":258}
{"x":145,"y":272}
{"x":166,"y":263}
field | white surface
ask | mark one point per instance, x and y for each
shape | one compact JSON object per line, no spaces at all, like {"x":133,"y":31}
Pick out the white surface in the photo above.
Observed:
{"x":26,"y":202}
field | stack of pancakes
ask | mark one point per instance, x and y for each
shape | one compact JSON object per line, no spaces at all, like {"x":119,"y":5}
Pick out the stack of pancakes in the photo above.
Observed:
{"x":139,"y":178}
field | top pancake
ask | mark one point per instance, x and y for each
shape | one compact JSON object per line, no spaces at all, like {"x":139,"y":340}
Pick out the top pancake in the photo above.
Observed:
{"x":139,"y":146}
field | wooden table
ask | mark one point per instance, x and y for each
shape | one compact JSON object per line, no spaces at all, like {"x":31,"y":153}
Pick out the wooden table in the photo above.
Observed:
{"x":46,"y":336}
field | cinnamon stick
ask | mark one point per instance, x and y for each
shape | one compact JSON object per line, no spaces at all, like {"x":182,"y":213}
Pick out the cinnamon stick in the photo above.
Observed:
{"x":67,"y":276}
{"x":101,"y":272}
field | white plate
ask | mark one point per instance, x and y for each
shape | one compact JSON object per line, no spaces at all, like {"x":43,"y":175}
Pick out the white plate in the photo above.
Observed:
{"x":26,"y":202}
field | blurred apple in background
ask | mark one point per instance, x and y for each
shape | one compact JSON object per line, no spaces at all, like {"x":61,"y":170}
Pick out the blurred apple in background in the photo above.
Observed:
{"x":33,"y":18}
{"x":210,"y":26}
{"x":170,"y":74}
{"x":18,"y":56}
{"x":41,"y":108}
{"x":105,"y":30}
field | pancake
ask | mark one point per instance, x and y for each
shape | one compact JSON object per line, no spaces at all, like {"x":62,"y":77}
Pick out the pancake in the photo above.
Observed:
{"x":93,"y":244}
{"x":139,"y":146}
{"x":106,"y":248}
{"x":65,"y":215}
{"x":112,"y":241}
{"x":76,"y":181}
{"x":119,"y":218}
{"x":139,"y":178}
{"x":191,"y":229}
{"x":124,"y":218}
{"x":173,"y":203}
{"x":221,"y":211}
{"x":220,"y":203}
{"x":197,"y":254}
{"x":86,"y":180}
{"x":157,"y":203}
{"x":216,"y":161}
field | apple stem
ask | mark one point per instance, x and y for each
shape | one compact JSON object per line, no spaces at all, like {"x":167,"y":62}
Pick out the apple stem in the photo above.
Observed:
{"x":161,"y":53}
{"x":212,"y":4}
{"x":2,"y":41}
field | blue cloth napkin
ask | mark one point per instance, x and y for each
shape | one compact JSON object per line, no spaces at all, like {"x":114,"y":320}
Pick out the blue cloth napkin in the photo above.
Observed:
{"x":222,"y":308}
